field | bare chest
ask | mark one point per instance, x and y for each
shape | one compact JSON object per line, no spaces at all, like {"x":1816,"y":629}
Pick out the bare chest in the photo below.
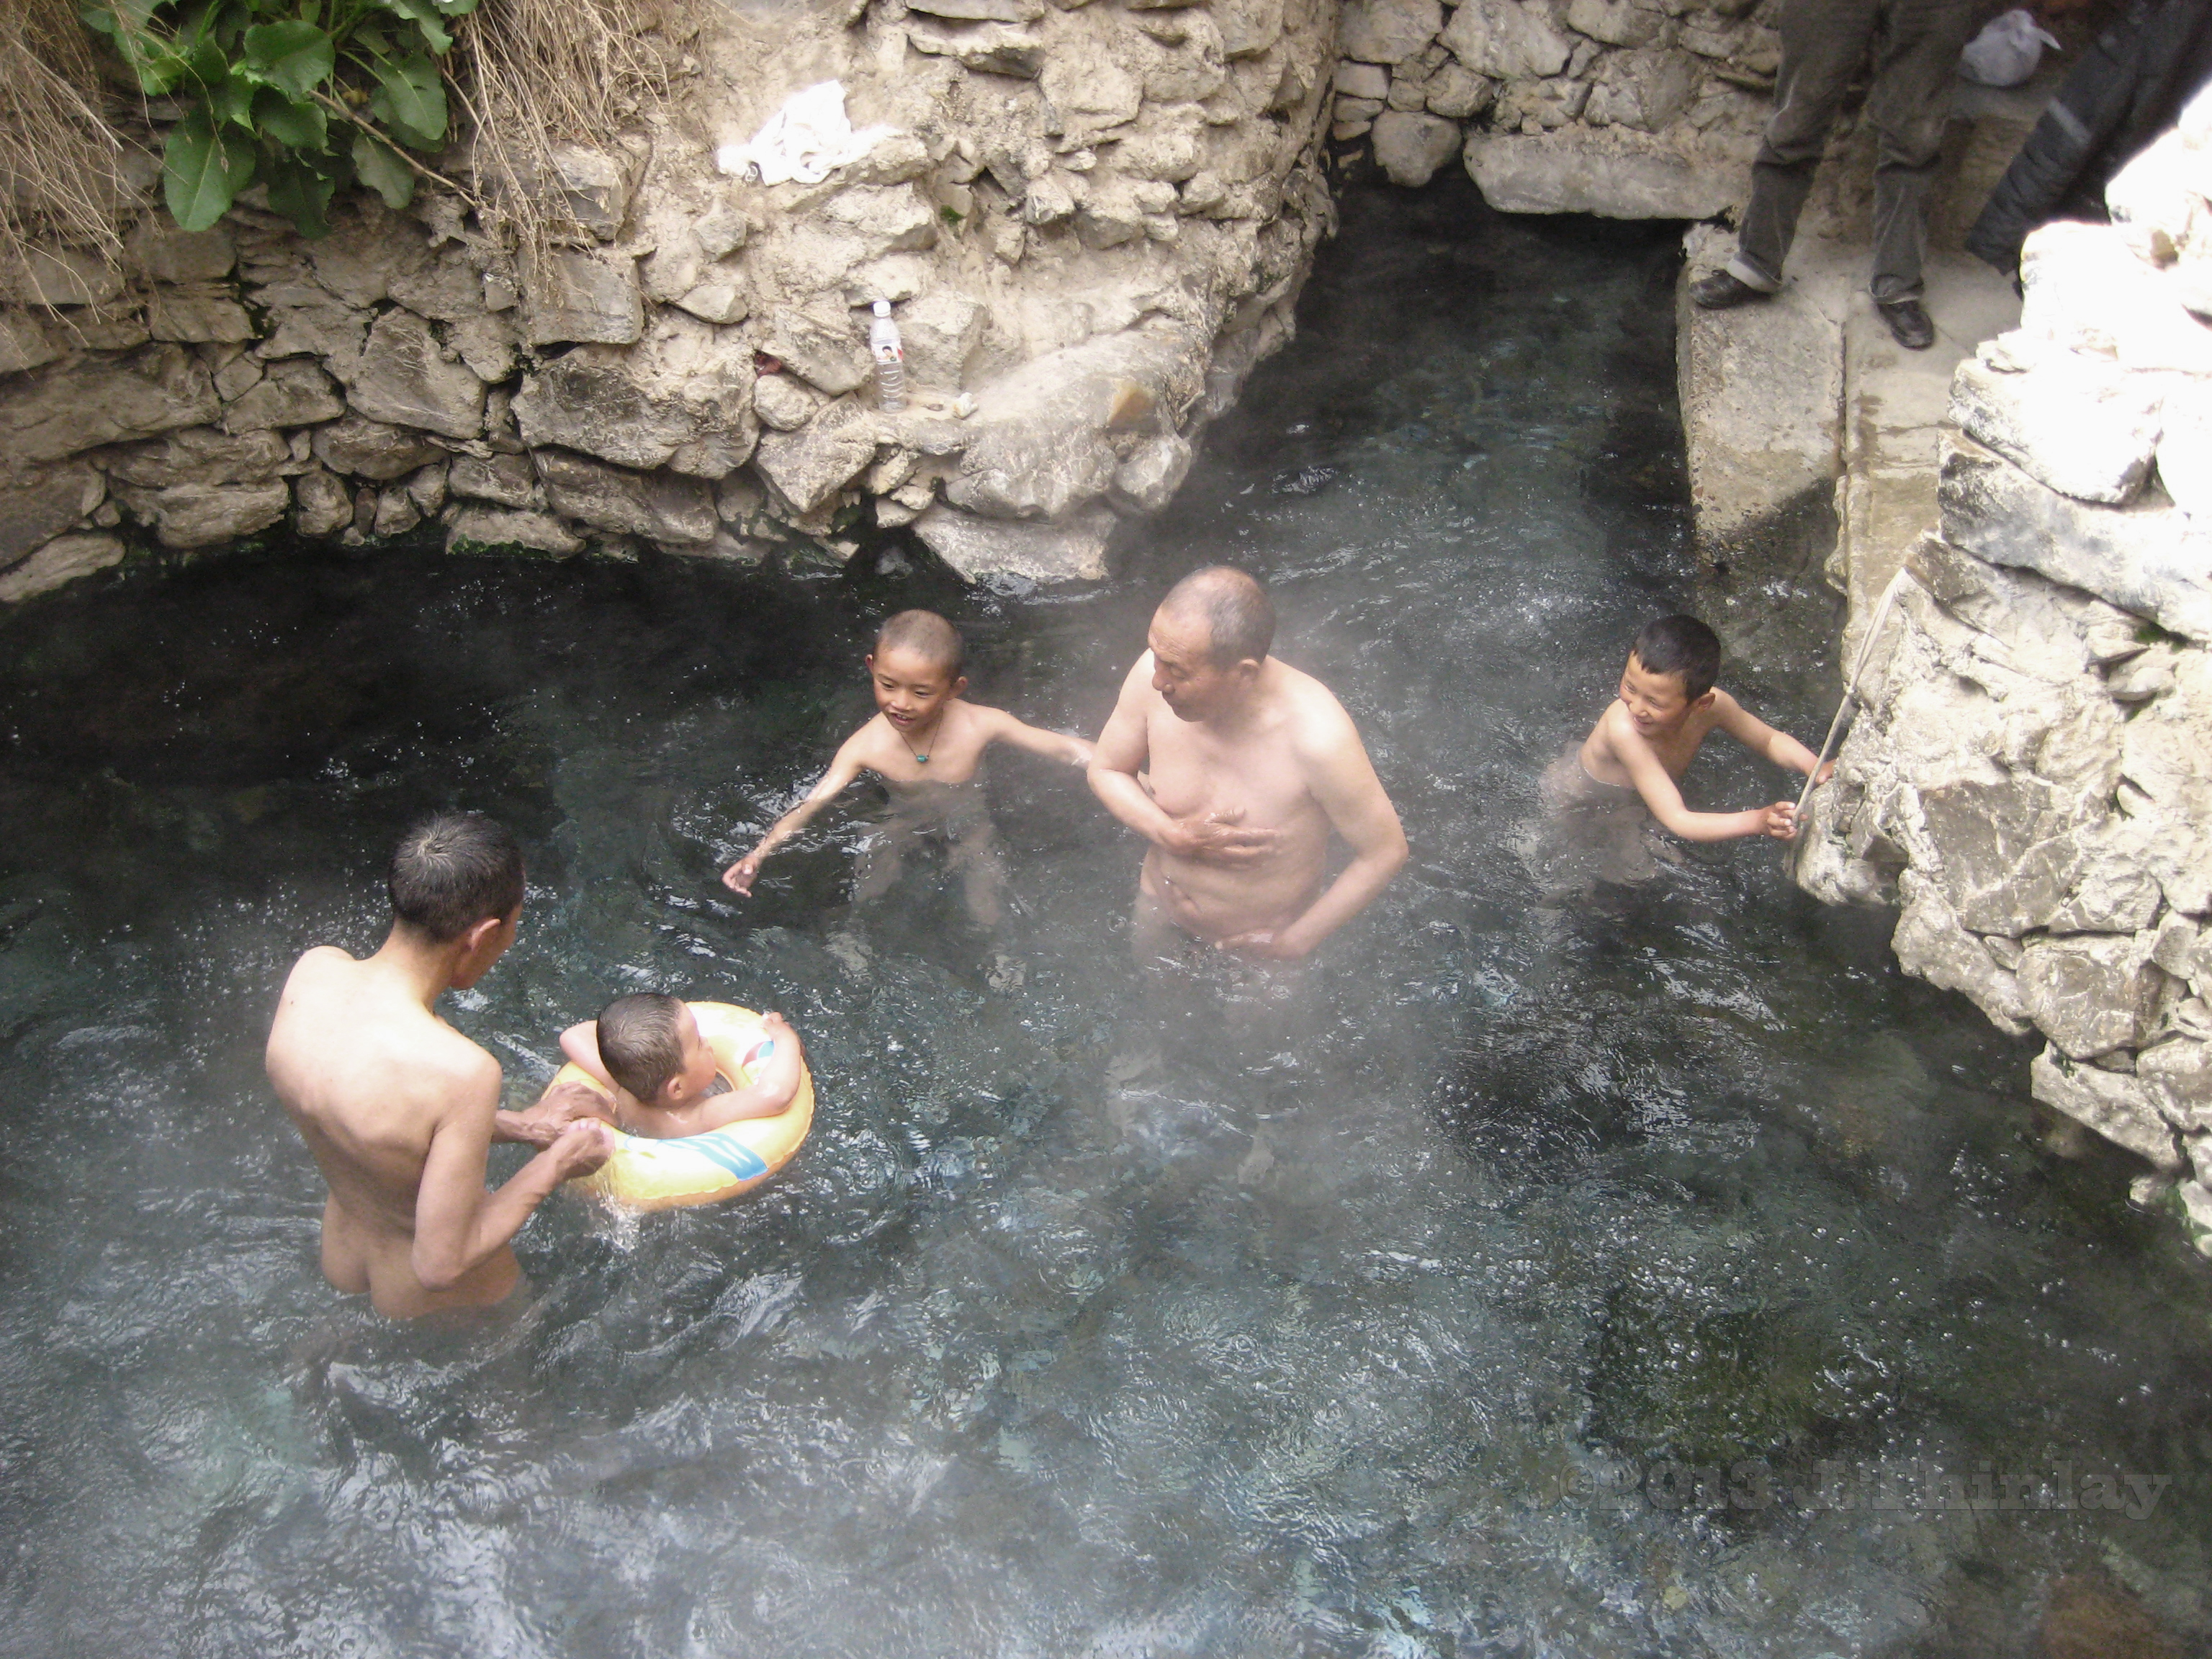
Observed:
{"x":1258,"y":779}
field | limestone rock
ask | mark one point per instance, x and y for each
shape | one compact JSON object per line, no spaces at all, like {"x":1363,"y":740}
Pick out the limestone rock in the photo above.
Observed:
{"x":2176,"y":1075}
{"x":1931,"y":945}
{"x":595,"y":185}
{"x":189,"y":515}
{"x":200,"y":455}
{"x":883,"y":219}
{"x":158,"y":250}
{"x":818,"y":343}
{"x":809,"y":467}
{"x":396,"y":513}
{"x":1155,"y":470}
{"x":1388,"y":31}
{"x":2148,"y":558}
{"x":402,"y":377}
{"x":662,"y":506}
{"x":1565,"y":172}
{"x":2184,"y":449}
{"x":200,"y":313}
{"x":1248,"y":27}
{"x":2116,"y":1106}
{"x":1616,"y":22}
{"x":717,"y":300}
{"x":785,"y":404}
{"x":83,"y":405}
{"x":321,"y":505}
{"x":2166,"y":784}
{"x":35,"y":510}
{"x":486,"y":344}
{"x":2077,"y":424}
{"x":446,"y":288}
{"x":1410,"y":148}
{"x":491,"y":526}
{"x":585,"y":298}
{"x":361,"y":448}
{"x":292,"y":393}
{"x":1507,"y":39}
{"x":683,"y":399}
{"x":321,"y":328}
{"x":982,"y":48}
{"x":941,"y":333}
{"x":62,"y":560}
{"x":2091,"y":994}
{"x":24,"y":343}
{"x":982,"y":11}
{"x":1643,"y":90}
{"x":1044,"y":441}
{"x":1361,"y":88}
{"x":1097,"y":92}
{"x":1458,"y":94}
{"x":504,"y":480}
{"x":60,"y":277}
{"x":981,"y":549}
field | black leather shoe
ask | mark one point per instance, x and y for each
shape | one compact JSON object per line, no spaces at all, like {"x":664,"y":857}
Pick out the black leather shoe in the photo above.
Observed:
{"x":1717,"y":290}
{"x":1908,"y":321}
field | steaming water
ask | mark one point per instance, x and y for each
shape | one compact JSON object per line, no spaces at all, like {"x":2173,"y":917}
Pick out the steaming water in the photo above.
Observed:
{"x":1093,"y":1320}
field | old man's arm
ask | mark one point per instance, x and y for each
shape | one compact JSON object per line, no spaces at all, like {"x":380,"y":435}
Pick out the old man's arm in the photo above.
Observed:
{"x":1342,"y":779}
{"x":1121,"y":754}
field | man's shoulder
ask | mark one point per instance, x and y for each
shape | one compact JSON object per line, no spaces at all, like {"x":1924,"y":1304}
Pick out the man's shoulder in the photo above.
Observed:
{"x":1317,"y":715}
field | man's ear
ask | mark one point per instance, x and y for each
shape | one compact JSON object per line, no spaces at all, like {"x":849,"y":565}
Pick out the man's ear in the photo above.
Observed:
{"x":480,"y":934}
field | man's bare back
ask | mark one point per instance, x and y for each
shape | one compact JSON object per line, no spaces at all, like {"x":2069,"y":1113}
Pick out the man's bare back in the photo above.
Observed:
{"x":400,"y":1110}
{"x":1237,"y":773}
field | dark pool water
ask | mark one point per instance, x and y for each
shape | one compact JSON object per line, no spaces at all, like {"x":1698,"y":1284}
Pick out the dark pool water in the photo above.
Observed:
{"x":1666,"y":1277}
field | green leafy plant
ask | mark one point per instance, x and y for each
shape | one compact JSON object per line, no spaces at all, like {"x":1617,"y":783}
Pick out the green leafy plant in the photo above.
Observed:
{"x":301,"y":96}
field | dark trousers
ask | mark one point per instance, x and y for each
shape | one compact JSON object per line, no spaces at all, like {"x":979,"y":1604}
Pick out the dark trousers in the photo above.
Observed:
{"x":1914,"y":45}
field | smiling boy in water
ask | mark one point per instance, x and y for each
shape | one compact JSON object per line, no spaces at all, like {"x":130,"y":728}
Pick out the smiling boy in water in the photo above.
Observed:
{"x":926,"y":743}
{"x":1597,"y":797}
{"x":646,"y":1047}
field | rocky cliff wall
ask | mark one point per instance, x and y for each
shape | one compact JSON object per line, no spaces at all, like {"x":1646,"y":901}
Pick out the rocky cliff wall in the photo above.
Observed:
{"x":2031,"y":778}
{"x":1093,"y":220}
{"x":1637,"y":109}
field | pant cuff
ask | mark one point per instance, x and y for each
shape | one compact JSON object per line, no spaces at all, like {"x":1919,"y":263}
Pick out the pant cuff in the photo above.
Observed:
{"x":1750,"y":276}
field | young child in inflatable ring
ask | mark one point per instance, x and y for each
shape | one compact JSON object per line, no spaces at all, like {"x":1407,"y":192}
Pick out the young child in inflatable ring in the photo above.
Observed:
{"x":648,"y":1050}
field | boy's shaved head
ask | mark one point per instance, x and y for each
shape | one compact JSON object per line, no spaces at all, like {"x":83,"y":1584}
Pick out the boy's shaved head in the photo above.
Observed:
{"x":1684,"y":646}
{"x":451,"y":870}
{"x":1233,"y":608}
{"x":928,"y":635}
{"x":641,"y":1041}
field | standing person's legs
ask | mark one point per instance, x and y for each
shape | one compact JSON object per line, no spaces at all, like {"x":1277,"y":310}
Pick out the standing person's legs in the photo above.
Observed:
{"x":1823,"y":44}
{"x":1916,"y":68}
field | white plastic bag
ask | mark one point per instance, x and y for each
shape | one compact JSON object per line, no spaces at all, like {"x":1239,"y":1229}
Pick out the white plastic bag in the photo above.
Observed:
{"x":803,"y":142}
{"x":2007,"y":52}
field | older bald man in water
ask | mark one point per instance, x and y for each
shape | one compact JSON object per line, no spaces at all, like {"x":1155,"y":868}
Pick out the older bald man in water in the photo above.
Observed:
{"x":1236,"y":768}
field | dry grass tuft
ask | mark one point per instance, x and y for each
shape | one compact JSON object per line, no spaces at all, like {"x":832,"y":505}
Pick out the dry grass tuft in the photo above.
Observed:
{"x":61,"y":153}
{"x":533,"y":74}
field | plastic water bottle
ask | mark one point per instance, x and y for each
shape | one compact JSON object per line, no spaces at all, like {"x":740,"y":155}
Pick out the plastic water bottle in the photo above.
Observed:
{"x":890,"y":359}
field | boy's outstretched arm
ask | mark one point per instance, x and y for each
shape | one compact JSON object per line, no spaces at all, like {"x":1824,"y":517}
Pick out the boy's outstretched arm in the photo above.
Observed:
{"x":739,"y":877}
{"x":1664,"y":797}
{"x":1053,"y":746}
{"x":1756,"y":735}
{"x":772,"y":1091}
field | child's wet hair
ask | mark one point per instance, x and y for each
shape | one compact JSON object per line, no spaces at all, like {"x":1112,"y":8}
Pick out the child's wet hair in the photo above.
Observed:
{"x":928,"y":635}
{"x":639,"y":1043}
{"x":1681,"y":645}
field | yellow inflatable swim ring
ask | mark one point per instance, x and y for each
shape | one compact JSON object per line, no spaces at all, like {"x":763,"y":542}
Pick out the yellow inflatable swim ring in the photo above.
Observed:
{"x":645,"y":1174}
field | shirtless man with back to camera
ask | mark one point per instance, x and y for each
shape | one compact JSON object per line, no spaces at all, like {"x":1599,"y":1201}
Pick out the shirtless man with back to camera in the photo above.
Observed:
{"x":399,"y":1108}
{"x":1236,"y":768}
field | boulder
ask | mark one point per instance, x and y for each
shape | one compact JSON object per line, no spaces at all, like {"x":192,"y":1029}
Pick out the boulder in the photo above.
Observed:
{"x":1410,"y":148}
{"x":1616,"y":22}
{"x":321,"y":503}
{"x":1579,"y":172}
{"x":447,"y":287}
{"x":2148,"y":557}
{"x":1093,"y":92}
{"x":504,"y":480}
{"x":584,"y":298}
{"x":784,"y":403}
{"x":980,"y":549}
{"x":818,"y":343}
{"x":2116,"y":1106}
{"x":468,"y":527}
{"x":159,"y":251}
{"x":2091,"y":994}
{"x":62,"y":560}
{"x":1155,"y":470}
{"x":2184,"y":449}
{"x":320,"y":328}
{"x":1931,"y":945}
{"x":403,"y":378}
{"x":200,"y":455}
{"x":981,"y":11}
{"x":982,"y":48}
{"x":1458,"y":94}
{"x":1388,"y":31}
{"x":360,"y":448}
{"x":35,"y":510}
{"x":189,"y":515}
{"x":2176,"y":1075}
{"x":807,"y":468}
{"x":1507,"y":40}
{"x":200,"y":313}
{"x":682,"y":398}
{"x":83,"y":405}
{"x":60,"y":276}
{"x":24,"y":343}
{"x":293,"y":392}
{"x":883,"y":219}
{"x":664,"y":506}
{"x":2166,"y":785}
{"x":940,"y":333}
{"x":1248,"y":27}
{"x":1361,"y":88}
{"x":486,"y":344}
{"x":1644,"y":91}
{"x":2078,"y":425}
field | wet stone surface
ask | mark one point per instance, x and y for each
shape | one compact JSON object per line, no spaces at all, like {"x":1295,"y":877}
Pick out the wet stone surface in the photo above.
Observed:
{"x":1667,"y":1277}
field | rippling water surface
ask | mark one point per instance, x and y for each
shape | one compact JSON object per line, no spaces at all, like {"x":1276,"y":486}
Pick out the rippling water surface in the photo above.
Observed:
{"x":1541,"y":1285}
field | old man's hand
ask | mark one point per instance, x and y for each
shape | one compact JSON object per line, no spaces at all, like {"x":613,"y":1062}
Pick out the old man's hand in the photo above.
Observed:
{"x":560,"y":1106}
{"x":1224,"y":838}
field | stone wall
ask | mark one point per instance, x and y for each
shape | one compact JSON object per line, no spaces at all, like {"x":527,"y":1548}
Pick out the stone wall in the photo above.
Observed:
{"x":1630,"y":108}
{"x":1093,"y":220}
{"x":2032,"y":776}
